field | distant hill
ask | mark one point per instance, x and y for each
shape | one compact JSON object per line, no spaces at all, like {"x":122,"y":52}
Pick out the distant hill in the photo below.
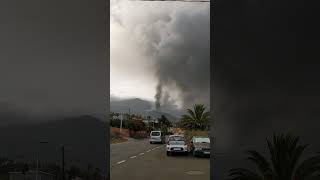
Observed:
{"x":136,"y":105}
{"x":140,"y":106}
{"x":85,"y":140}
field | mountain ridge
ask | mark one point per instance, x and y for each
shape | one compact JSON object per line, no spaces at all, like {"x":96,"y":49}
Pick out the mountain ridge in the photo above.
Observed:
{"x":143,"y":107}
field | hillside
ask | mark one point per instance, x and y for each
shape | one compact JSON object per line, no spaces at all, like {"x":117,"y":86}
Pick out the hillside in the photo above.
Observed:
{"x":136,"y":105}
{"x":85,"y":140}
{"x":143,"y":107}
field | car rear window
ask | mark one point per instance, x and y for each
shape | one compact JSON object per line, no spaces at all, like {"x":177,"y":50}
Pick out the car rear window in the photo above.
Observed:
{"x":202,"y":140}
{"x":176,"y":138}
{"x":155,"y":133}
{"x":177,"y":142}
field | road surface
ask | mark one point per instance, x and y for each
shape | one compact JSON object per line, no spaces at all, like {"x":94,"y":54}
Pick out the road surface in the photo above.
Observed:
{"x":144,"y":161}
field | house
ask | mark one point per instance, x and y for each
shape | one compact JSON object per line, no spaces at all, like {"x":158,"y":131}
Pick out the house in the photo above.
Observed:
{"x":31,"y":175}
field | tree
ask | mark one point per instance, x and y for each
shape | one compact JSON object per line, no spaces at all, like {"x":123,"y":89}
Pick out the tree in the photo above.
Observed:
{"x":196,"y":119}
{"x":127,"y":124}
{"x":115,"y":123}
{"x":138,"y":125}
{"x":165,"y":124}
{"x":285,"y":162}
{"x":114,"y":115}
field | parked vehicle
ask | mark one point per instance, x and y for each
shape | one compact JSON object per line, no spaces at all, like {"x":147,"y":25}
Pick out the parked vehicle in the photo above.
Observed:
{"x":156,"y":137}
{"x":176,"y":144}
{"x":200,"y":146}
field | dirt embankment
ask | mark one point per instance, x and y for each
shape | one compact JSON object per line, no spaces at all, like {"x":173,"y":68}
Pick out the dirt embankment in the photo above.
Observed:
{"x":117,"y":137}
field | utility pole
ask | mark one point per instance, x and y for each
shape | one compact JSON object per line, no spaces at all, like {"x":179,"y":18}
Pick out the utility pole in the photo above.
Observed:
{"x":129,"y":114}
{"x":62,"y":151}
{"x":121,"y":118}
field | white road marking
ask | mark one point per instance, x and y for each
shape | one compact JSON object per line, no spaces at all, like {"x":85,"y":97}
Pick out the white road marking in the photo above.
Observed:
{"x":141,"y":154}
{"x":153,"y":149}
{"x":121,"y":161}
{"x":133,"y":157}
{"x":149,"y":150}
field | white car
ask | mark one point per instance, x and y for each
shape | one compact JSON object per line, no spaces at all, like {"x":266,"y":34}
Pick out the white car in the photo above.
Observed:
{"x":176,"y":144}
{"x":156,"y":137}
{"x":200,"y":146}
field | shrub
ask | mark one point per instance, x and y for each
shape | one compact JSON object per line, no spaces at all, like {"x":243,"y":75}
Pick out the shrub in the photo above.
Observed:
{"x":190,"y":133}
{"x":115,"y":123}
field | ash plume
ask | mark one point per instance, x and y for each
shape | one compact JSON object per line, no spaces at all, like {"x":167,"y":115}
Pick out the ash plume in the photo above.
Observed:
{"x":175,"y":40}
{"x":158,"y":96}
{"x":182,"y":58}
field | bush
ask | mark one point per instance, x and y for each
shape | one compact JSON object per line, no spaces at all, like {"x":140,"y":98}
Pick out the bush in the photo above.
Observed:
{"x":190,"y":133}
{"x":115,"y":123}
{"x":138,"y":125}
{"x":128,"y":124}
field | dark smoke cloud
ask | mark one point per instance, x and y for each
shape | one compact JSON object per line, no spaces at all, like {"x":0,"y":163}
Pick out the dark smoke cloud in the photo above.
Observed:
{"x":175,"y":38}
{"x":182,"y":58}
{"x":158,"y":96}
{"x":264,"y":81}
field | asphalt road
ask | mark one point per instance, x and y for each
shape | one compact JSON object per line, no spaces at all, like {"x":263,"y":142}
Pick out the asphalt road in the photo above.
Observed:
{"x":144,"y":161}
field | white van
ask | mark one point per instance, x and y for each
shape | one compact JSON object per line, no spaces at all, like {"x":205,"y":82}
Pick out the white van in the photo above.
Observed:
{"x":156,"y":137}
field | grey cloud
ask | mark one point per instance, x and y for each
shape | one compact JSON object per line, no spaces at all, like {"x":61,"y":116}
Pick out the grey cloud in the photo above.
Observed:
{"x":175,"y":38}
{"x":183,"y":57}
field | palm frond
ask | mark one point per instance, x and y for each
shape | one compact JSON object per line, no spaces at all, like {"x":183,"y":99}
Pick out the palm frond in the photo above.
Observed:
{"x":285,"y":154}
{"x":192,"y":114}
{"x":273,"y":154}
{"x":296,"y":155}
{"x":196,"y":118}
{"x":261,"y":162}
{"x":243,"y":174}
{"x":308,"y":168}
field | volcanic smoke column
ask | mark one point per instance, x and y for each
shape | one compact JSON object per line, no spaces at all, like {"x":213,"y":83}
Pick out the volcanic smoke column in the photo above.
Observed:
{"x":158,"y":96}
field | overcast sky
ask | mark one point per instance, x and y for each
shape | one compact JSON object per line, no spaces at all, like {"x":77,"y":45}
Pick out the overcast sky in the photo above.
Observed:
{"x":167,"y":42}
{"x":52,"y":57}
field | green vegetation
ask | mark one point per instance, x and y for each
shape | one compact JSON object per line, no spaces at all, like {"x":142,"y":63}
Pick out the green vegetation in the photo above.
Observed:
{"x":136,"y":122}
{"x":7,"y":165}
{"x":164,"y":125}
{"x":132,"y":122}
{"x":285,"y":162}
{"x":196,"y":119}
{"x":188,"y":134}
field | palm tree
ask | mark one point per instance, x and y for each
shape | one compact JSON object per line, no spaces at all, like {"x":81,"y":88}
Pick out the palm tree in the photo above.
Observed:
{"x":285,"y":162}
{"x":196,"y":119}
